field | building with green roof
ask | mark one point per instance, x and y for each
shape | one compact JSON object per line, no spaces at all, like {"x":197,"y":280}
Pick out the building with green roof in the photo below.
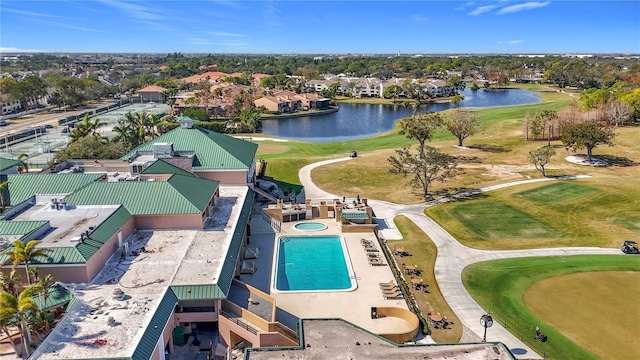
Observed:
{"x":9,"y":166}
{"x":209,"y":155}
{"x":23,"y":187}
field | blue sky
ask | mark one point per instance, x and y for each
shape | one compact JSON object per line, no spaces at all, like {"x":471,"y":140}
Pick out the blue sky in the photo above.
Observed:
{"x":226,"y":26}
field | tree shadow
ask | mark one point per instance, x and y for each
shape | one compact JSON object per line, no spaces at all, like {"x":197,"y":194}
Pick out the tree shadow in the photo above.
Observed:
{"x":617,"y":160}
{"x":468,"y":159}
{"x":459,"y":194}
{"x":489,"y":148}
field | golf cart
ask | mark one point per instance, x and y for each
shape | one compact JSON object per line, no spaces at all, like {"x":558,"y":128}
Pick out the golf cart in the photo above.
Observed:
{"x":353,"y":154}
{"x":630,"y":247}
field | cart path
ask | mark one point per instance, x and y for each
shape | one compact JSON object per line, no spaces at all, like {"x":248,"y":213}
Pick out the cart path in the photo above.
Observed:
{"x":453,"y":256}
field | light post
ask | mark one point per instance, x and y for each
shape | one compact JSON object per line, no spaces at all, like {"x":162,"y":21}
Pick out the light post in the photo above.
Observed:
{"x":486,"y":321}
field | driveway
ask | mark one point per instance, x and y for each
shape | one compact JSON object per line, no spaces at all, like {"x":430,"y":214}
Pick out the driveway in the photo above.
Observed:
{"x":453,"y":257}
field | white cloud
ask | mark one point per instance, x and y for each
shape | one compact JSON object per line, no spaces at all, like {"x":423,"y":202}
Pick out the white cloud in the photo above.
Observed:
{"x":419,"y":18}
{"x":30,"y":13}
{"x":462,"y":7}
{"x":223,"y":34}
{"x":135,"y":10}
{"x":482,"y":9}
{"x":16,"y":50}
{"x":523,"y":7}
{"x":510,"y":42}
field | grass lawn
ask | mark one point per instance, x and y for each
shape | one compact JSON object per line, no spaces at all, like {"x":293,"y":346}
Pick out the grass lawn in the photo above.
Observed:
{"x":491,"y":220}
{"x":578,"y":298}
{"x":503,"y":286}
{"x":497,"y":154}
{"x":556,"y":193}
{"x":420,"y":246}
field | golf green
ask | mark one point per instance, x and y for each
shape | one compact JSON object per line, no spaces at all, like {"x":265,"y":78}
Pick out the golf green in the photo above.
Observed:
{"x":556,"y":193}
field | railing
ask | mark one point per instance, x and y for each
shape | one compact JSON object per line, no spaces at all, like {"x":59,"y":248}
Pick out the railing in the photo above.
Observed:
{"x":275,"y":224}
{"x":288,"y":333}
{"x":236,"y":319}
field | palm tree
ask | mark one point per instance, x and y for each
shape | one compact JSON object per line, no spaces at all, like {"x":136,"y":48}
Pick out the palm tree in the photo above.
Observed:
{"x":3,"y":200}
{"x":18,"y":308}
{"x":9,"y":282}
{"x":40,"y":322}
{"x":6,"y":320}
{"x":25,"y":253}
{"x":123,"y":131}
{"x":24,"y":167}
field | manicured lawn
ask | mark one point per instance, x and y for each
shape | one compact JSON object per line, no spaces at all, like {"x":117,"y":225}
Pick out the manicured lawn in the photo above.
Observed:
{"x":491,"y":220}
{"x":556,"y":193}
{"x":500,"y":287}
{"x":631,"y":223}
{"x":423,"y":253}
{"x":597,"y":304}
{"x":603,"y":218}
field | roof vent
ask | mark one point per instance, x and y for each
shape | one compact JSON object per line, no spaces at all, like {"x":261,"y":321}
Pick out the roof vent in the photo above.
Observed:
{"x":162,"y":150}
{"x":186,"y":123}
{"x":118,"y":294}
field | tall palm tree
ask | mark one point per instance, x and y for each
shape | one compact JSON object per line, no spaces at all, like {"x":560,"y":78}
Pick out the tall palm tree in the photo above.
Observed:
{"x":3,"y":200}
{"x":22,"y":253}
{"x":19,"y":308}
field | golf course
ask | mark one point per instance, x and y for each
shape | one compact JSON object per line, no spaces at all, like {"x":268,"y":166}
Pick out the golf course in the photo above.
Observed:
{"x":584,"y":304}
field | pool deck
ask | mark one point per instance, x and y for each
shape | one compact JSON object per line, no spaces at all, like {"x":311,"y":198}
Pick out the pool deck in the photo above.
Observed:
{"x":353,"y":306}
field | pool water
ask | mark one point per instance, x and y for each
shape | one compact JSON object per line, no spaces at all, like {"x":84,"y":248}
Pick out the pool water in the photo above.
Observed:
{"x":310,"y":226}
{"x":313,"y":263}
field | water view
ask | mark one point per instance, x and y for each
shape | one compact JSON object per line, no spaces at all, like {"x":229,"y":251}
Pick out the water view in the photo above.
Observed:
{"x":355,"y":121}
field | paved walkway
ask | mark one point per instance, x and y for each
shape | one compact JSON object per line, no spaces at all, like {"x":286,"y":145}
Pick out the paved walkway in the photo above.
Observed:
{"x":453,"y":257}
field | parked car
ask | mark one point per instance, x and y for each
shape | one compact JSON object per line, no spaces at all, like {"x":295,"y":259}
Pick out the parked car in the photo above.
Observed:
{"x":49,"y":126}
{"x":3,"y":123}
{"x":630,"y":247}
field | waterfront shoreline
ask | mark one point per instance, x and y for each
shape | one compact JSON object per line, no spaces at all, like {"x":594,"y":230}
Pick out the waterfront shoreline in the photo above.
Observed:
{"x":296,"y":115}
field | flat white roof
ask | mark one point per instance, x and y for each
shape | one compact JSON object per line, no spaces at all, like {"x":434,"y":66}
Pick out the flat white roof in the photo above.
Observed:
{"x":67,"y":225}
{"x":156,"y":260}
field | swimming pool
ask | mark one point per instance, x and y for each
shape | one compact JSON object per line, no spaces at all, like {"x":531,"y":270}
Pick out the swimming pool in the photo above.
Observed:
{"x":312,"y":264}
{"x":310,"y":226}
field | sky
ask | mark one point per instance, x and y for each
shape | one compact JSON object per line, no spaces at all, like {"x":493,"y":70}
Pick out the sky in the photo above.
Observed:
{"x":320,"y":27}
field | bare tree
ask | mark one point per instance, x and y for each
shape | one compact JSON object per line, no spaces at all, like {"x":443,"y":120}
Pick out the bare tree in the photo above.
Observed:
{"x":541,"y":157}
{"x":617,"y":113}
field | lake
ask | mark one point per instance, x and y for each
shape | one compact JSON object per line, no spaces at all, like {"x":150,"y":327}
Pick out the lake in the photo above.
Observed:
{"x":355,"y":121}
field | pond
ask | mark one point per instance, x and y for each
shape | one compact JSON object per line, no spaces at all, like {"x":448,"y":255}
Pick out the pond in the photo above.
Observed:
{"x":355,"y":121}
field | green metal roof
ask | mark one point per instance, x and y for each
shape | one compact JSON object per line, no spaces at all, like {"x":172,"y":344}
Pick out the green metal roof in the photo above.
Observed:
{"x":58,"y":295}
{"x":22,"y":228}
{"x":198,"y":292}
{"x":23,"y":186}
{"x":151,"y":335}
{"x":60,"y":255}
{"x":354,"y":215}
{"x":8,"y":163}
{"x":103,"y":232}
{"x":162,"y":167}
{"x":178,"y":195}
{"x":213,"y":151}
{"x":197,"y":191}
{"x":82,"y":251}
{"x":229,"y":265}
